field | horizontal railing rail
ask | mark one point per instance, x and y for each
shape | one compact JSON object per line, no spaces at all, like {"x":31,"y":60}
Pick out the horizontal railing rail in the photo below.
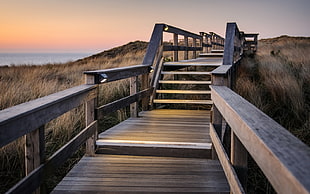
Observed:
{"x":239,"y":128}
{"x":282,"y":157}
{"x":29,"y":119}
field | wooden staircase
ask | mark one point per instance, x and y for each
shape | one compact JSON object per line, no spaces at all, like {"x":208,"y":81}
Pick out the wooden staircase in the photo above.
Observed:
{"x":186,"y":83}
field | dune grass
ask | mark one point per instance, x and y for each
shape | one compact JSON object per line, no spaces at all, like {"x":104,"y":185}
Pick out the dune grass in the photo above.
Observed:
{"x":277,"y":81}
{"x":24,"y":83}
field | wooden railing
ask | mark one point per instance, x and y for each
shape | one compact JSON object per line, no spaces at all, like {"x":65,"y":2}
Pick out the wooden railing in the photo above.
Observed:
{"x":28,"y":119}
{"x":283,"y":158}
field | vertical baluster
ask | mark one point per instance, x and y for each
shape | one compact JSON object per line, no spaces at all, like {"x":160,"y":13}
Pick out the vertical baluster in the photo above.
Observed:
{"x":133,"y":90}
{"x":90,"y":106}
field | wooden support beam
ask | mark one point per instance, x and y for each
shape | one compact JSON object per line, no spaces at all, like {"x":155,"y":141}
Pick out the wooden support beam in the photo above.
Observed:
{"x":186,"y":45}
{"x":90,"y":107}
{"x":175,"y":43}
{"x":239,"y":159}
{"x":133,"y":91}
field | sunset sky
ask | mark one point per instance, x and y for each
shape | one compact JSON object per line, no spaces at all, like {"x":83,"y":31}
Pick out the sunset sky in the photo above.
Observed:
{"x":96,"y":25}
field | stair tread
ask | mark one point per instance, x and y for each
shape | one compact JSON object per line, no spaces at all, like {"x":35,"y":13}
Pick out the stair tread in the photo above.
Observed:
{"x":217,"y":51}
{"x":211,"y":55}
{"x":186,"y":72}
{"x":183,"y":101}
{"x":184,"y":91}
{"x":131,"y":143}
{"x":192,"y":64}
{"x":183,"y":82}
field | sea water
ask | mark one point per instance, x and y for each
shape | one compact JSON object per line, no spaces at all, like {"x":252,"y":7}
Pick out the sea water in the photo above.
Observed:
{"x":39,"y":58}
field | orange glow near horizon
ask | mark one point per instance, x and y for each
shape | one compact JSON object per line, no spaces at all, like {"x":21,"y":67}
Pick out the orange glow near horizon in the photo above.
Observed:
{"x":81,"y":25}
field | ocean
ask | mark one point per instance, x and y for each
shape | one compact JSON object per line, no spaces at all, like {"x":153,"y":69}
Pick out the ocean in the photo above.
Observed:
{"x":39,"y":58}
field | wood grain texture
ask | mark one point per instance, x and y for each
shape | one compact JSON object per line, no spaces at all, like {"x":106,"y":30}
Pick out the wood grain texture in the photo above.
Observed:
{"x":165,"y":132}
{"x":31,"y":182}
{"x":24,"y":118}
{"x":283,"y":158}
{"x":141,"y":174}
{"x":119,"y":73}
{"x":229,"y":171}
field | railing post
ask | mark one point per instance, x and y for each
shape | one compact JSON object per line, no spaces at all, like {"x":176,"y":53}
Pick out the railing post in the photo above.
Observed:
{"x":216,"y":120}
{"x":175,"y":43}
{"x":133,"y":90}
{"x":90,"y":117}
{"x":186,"y":44}
{"x":145,"y":84}
{"x":239,"y":159}
{"x":34,"y":151}
{"x":194,"y":45}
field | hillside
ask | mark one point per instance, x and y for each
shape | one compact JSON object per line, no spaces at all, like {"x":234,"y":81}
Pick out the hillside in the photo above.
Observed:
{"x":277,"y":80}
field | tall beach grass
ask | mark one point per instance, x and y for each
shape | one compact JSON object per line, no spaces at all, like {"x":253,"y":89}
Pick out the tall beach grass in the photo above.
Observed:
{"x":24,"y":83}
{"x":277,"y":81}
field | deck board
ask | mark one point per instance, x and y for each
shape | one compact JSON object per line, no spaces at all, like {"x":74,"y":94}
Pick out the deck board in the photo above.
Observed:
{"x":118,"y":174}
{"x":160,"y":151}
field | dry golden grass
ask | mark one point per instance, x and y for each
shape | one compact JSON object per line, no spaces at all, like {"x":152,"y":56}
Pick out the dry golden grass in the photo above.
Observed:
{"x":24,"y":83}
{"x":277,"y":81}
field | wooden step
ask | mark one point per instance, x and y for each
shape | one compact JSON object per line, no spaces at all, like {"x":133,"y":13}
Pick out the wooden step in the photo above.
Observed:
{"x":217,"y":51}
{"x":154,"y":148}
{"x":183,"y":91}
{"x":186,"y":64}
{"x":184,"y":82}
{"x":219,"y":55}
{"x":185,"y":73}
{"x":144,"y":174}
{"x":175,"y":101}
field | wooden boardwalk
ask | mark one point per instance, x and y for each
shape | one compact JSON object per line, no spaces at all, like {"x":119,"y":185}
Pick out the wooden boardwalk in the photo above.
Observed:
{"x":181,"y":139}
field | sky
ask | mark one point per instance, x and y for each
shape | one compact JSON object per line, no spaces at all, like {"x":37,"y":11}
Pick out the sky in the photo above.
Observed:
{"x":95,"y":25}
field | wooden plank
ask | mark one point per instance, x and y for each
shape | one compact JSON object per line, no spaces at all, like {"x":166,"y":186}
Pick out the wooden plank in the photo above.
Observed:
{"x":239,"y":159}
{"x":154,"y":43}
{"x":222,"y":70}
{"x":183,"y":91}
{"x":31,"y":182}
{"x":181,"y":32}
{"x":119,"y":73}
{"x":90,"y":106}
{"x":175,"y":44}
{"x":228,"y":58}
{"x":184,"y":82}
{"x":218,"y":55}
{"x":24,"y":118}
{"x":183,"y":101}
{"x":185,"y":73}
{"x":229,"y":171}
{"x":110,"y":173}
{"x":133,"y":91}
{"x":121,"y":103}
{"x":176,"y":48}
{"x":283,"y":158}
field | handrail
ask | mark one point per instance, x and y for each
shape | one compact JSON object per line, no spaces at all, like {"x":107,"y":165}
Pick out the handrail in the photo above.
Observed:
{"x":282,"y":157}
{"x":24,"y":118}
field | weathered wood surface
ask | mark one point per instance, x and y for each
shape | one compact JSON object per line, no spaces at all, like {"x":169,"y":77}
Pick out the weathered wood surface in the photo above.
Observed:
{"x":163,"y":125}
{"x":178,"y":101}
{"x":197,"y":62}
{"x":115,"y":74}
{"x":185,"y":73}
{"x":184,"y":91}
{"x":229,"y":171}
{"x":194,"y":82}
{"x":31,"y":115}
{"x":283,"y":158}
{"x":161,"y":129}
{"x":31,"y":182}
{"x":141,"y":174}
